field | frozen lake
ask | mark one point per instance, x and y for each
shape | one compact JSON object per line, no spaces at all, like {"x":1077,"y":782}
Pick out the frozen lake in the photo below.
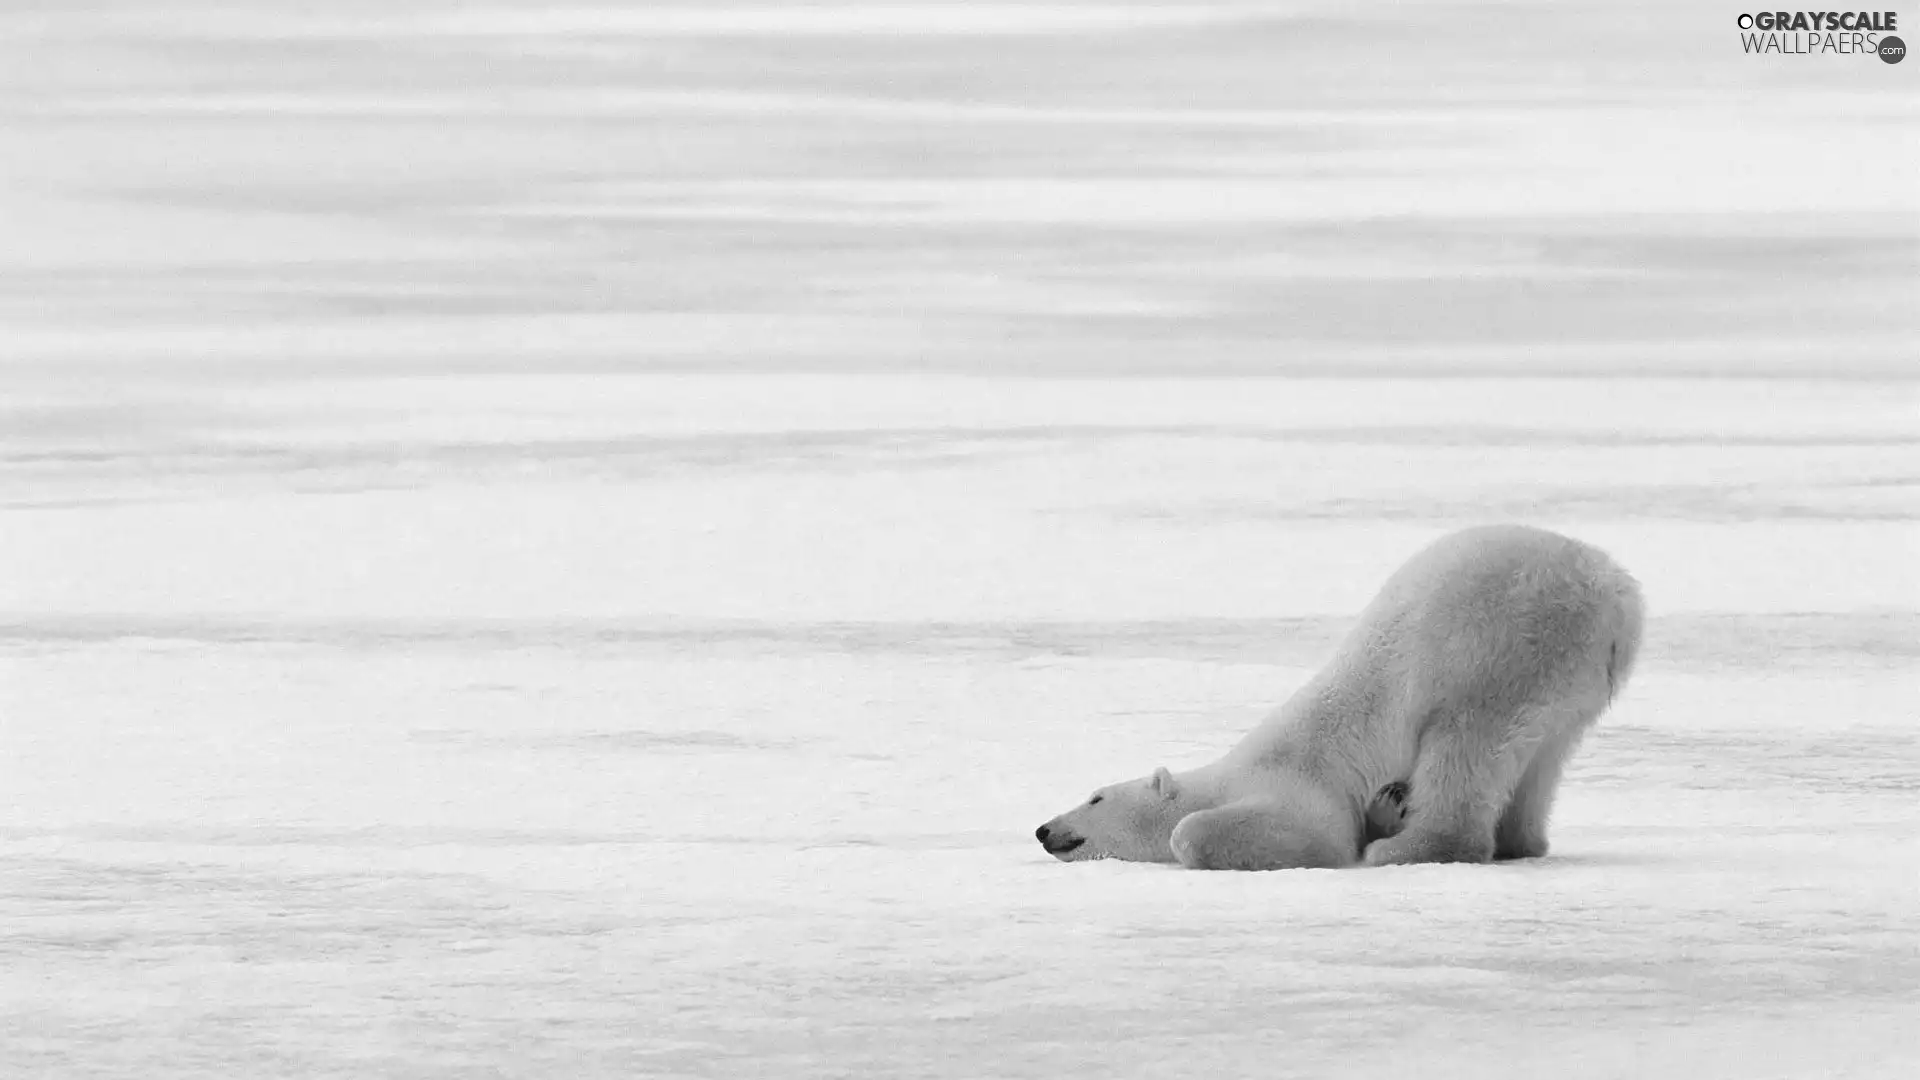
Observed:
{"x":676,"y":725}
{"x":582,"y":543}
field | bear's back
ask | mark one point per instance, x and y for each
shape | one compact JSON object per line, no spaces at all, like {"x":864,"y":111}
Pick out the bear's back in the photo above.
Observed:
{"x":1492,"y":614}
{"x":1487,"y":618}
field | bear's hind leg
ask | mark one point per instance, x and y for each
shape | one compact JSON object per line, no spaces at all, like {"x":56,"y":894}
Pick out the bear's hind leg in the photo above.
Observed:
{"x":1466,"y":773}
{"x":1522,"y":831}
{"x":1253,"y":834}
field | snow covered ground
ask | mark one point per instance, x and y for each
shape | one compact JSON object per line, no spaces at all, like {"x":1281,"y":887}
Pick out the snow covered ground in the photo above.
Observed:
{"x":697,"y":726}
{"x":581,"y":544}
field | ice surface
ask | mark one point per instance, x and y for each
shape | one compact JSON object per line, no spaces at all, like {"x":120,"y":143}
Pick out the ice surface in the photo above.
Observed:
{"x":347,"y":742}
{"x":581,"y":541}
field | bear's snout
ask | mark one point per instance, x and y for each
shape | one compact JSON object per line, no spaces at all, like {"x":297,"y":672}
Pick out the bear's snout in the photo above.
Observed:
{"x":1058,"y":842}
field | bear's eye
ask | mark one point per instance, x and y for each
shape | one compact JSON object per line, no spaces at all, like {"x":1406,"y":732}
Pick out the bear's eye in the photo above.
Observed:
{"x":1095,"y":799}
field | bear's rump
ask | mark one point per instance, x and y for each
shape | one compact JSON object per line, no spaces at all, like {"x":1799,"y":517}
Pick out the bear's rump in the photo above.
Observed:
{"x":1497,"y":634}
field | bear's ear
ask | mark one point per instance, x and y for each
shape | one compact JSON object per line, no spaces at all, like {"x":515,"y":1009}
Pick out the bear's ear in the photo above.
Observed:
{"x":1163,"y":784}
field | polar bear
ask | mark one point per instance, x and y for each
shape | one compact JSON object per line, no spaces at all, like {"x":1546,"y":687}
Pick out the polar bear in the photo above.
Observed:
{"x":1454,"y":703}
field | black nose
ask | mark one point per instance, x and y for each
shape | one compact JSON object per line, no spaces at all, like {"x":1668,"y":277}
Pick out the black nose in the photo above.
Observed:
{"x":1040,"y":834}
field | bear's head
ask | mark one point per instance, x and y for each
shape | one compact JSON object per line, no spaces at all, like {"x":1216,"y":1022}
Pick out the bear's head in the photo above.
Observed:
{"x":1131,"y":821}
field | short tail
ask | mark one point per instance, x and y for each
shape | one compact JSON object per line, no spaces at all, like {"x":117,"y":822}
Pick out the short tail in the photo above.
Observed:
{"x":1624,"y":624}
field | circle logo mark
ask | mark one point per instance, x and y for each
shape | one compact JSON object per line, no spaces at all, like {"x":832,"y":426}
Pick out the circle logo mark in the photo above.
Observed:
{"x":1892,"y":50}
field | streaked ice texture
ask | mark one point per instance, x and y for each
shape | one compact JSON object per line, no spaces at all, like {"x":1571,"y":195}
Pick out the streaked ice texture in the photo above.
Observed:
{"x":580,"y":541}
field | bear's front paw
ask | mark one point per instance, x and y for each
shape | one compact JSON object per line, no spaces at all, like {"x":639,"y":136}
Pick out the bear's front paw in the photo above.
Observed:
{"x":1254,"y":834}
{"x":1189,"y":843}
{"x":1418,"y":847}
{"x":1388,"y":811}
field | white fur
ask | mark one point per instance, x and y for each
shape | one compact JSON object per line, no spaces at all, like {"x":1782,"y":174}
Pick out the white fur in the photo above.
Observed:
{"x":1473,"y":674}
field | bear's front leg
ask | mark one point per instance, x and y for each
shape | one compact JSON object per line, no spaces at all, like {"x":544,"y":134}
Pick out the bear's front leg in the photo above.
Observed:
{"x":1253,"y":834}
